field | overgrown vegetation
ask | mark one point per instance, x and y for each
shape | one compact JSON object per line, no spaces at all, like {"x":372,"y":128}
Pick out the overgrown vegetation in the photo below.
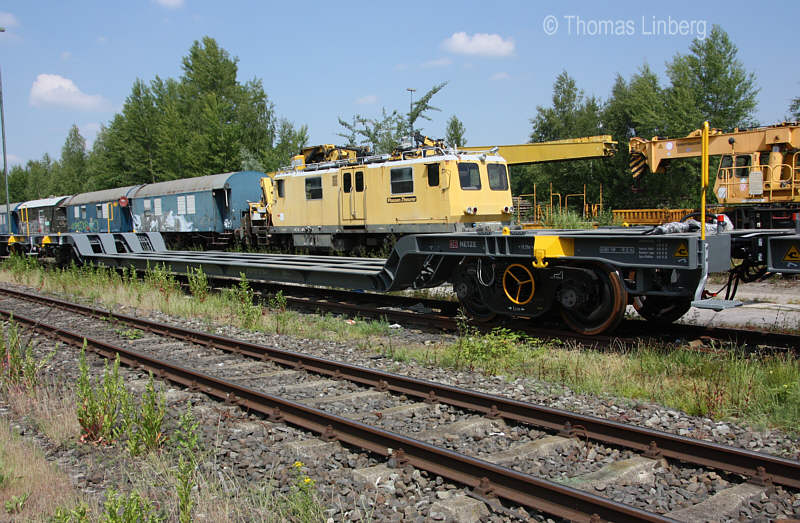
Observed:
{"x":763,"y":389}
{"x":103,"y":411}
{"x":18,"y":366}
{"x":159,"y":290}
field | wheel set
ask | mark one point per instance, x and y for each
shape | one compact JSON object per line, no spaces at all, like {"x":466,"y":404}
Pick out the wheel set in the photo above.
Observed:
{"x":591,"y":299}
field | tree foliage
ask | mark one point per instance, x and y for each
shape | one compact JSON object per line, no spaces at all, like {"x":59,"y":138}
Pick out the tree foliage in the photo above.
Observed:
{"x":204,"y":122}
{"x":794,"y":108}
{"x":385,"y":133}
{"x":708,"y":83}
{"x":455,"y":134}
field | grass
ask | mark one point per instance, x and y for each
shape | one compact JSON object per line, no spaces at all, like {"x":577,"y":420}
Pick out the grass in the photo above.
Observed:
{"x":162,"y":483}
{"x":159,"y":291}
{"x":32,"y":488}
{"x":759,"y":389}
{"x":762,"y":390}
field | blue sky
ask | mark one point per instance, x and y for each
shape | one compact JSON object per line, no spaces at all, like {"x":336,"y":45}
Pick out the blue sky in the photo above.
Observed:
{"x":75,"y":62}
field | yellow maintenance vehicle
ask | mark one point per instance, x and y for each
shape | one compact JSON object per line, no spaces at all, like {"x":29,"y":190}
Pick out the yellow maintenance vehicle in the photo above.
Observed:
{"x":346,"y":199}
{"x":758,"y":177}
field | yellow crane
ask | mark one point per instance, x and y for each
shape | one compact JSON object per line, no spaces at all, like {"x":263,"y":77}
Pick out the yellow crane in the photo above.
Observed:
{"x":586,"y":147}
{"x":758,"y":172}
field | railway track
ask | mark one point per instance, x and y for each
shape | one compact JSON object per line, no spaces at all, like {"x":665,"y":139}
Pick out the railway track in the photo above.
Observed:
{"x":371,"y":410}
{"x":442,"y":315}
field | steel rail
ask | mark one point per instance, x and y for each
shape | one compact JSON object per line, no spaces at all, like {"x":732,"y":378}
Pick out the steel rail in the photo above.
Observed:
{"x":756,"y":465}
{"x":487,"y":478}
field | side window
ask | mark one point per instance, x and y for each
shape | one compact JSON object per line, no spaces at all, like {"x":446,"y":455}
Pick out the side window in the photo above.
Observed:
{"x":314,"y":188}
{"x":359,"y":181}
{"x":83,"y":212}
{"x":281,"y":189}
{"x":347,"y":182}
{"x":469,"y":176}
{"x":742,"y":164}
{"x":402,"y":180}
{"x":99,"y":210}
{"x":433,"y":174}
{"x":498,"y":177}
{"x":77,"y":212}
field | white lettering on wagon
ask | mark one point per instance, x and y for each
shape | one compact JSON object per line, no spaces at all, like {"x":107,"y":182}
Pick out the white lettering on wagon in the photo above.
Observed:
{"x":617,"y":250}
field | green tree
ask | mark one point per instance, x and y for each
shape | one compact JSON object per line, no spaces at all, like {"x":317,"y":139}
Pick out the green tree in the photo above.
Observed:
{"x":72,"y":170}
{"x":382,"y":134}
{"x":455,"y":133}
{"x":423,"y":106}
{"x":710,"y":83}
{"x":572,"y":114}
{"x":17,"y":185}
{"x":794,"y":108}
{"x":385,"y":133}
{"x":204,"y":122}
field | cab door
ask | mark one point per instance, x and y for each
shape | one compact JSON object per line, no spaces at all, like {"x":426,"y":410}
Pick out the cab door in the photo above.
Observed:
{"x":352,"y":197}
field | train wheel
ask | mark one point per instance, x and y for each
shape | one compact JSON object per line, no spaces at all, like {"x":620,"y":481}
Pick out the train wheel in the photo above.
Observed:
{"x":599,"y":304}
{"x":662,"y":309}
{"x":469,"y":296}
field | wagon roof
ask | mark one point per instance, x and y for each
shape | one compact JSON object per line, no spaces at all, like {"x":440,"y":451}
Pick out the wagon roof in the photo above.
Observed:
{"x":187,"y":185}
{"x":13,"y":206}
{"x":44,"y":202}
{"x":107,"y":195}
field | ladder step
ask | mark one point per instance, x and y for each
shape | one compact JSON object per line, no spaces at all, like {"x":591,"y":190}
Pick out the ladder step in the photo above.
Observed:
{"x":716,"y":305}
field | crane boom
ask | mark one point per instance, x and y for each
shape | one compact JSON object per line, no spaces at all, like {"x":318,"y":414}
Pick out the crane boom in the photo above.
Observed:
{"x":759,"y":165}
{"x":656,"y":151}
{"x":554,"y":151}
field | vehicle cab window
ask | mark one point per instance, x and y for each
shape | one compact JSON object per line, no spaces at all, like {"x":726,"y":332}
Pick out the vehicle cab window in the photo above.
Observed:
{"x":498,"y":177}
{"x":469,"y":176}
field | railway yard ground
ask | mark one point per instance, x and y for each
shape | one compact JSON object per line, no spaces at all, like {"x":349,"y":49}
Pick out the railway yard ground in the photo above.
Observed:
{"x":244,"y":466}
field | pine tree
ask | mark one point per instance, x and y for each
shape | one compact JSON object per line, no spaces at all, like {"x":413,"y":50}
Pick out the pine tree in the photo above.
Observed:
{"x":455,"y":133}
{"x":71,"y":174}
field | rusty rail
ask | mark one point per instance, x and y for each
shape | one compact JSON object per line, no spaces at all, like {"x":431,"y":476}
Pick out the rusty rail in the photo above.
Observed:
{"x":486,"y":478}
{"x":755,"y":465}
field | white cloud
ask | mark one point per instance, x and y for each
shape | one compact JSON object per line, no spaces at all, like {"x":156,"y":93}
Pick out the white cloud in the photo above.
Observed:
{"x":170,"y":4}
{"x":8,"y":20}
{"x":439,"y":62}
{"x":55,"y":90}
{"x":13,"y":159}
{"x":482,"y":44}
{"x":102,"y":40}
{"x":66,"y":55}
{"x":500,"y":76}
{"x":369,"y":99}
{"x":401,"y":67}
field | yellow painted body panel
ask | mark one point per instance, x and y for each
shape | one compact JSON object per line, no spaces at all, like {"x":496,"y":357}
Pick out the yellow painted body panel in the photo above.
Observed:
{"x":553,"y":246}
{"x":378,"y":205}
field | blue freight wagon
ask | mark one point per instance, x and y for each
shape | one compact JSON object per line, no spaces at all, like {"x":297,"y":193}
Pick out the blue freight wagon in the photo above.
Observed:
{"x":209,"y":207}
{"x":4,"y":216}
{"x":101,"y":211}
